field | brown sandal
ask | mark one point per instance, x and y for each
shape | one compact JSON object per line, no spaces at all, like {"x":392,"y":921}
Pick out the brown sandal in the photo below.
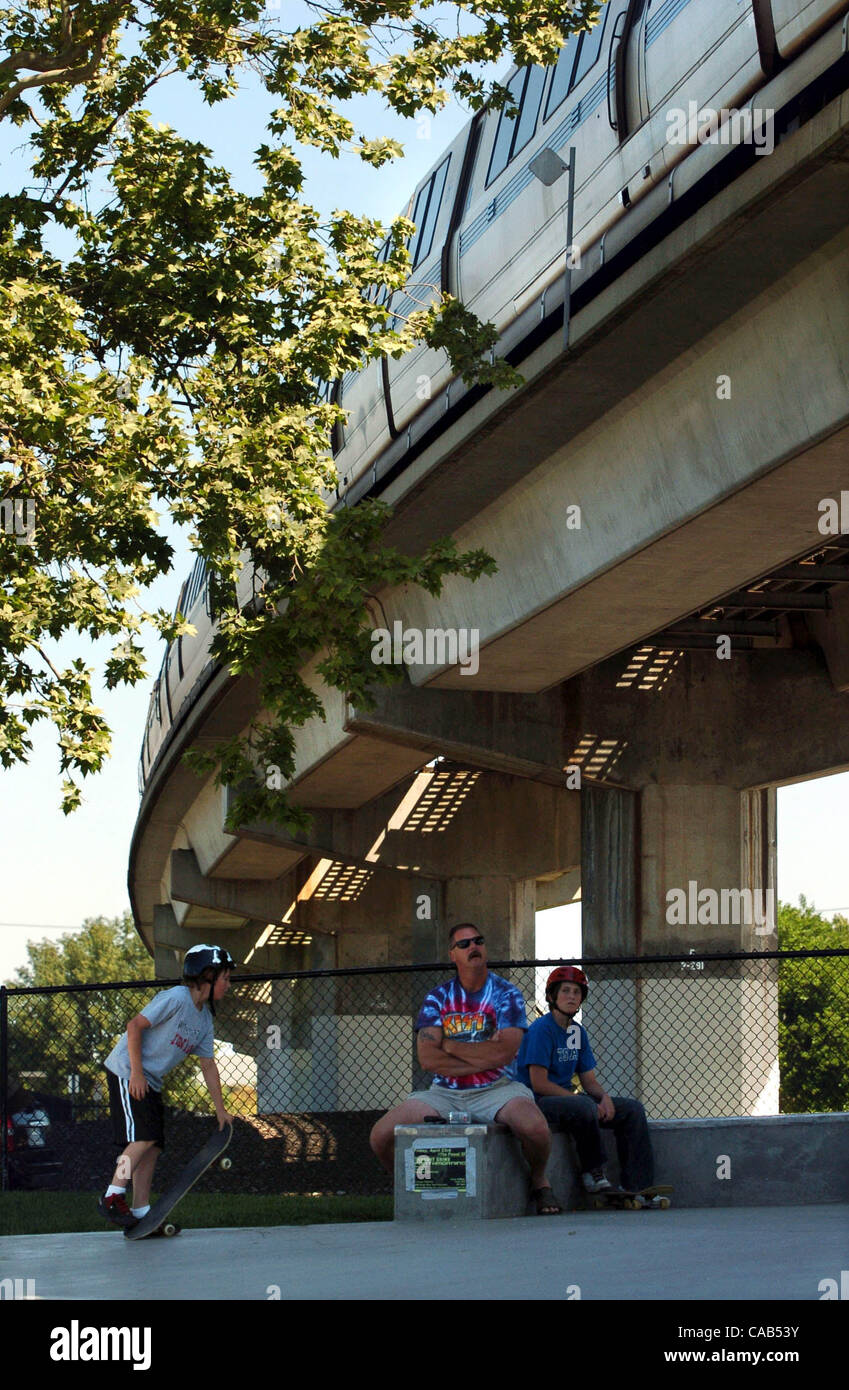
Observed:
{"x":546,"y":1202}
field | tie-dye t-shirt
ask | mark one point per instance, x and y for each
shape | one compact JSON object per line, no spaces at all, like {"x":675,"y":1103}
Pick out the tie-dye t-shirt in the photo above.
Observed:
{"x":473,"y":1017}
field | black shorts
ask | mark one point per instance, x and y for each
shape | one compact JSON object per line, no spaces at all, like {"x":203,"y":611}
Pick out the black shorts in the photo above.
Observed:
{"x":134,"y":1119}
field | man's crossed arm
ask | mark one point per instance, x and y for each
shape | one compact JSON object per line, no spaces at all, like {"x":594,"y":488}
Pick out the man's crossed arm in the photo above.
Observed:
{"x":449,"y":1058}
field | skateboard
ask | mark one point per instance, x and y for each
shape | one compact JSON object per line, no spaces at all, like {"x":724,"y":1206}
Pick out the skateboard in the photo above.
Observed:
{"x":212,"y":1150}
{"x":624,"y":1200}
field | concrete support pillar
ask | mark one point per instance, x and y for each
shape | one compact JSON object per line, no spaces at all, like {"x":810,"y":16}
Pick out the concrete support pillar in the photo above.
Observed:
{"x":376,"y":917}
{"x":760,"y":1076}
{"x":683,"y":869}
{"x":166,"y":962}
{"x":610,"y":927}
{"x":428,"y":944}
{"x":503,"y":908}
{"x":427,"y":921}
{"x":609,"y":879}
{"x":282,"y":1083}
{"x":708,"y":1034}
{"x":707,"y":856}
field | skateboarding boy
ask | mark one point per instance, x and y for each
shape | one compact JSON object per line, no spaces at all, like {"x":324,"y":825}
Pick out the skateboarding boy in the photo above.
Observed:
{"x":554,"y":1048}
{"x":176,"y":1023}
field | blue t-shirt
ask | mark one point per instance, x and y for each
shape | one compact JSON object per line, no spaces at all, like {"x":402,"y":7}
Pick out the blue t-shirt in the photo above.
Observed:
{"x":562,"y":1051}
{"x":473,"y":1017}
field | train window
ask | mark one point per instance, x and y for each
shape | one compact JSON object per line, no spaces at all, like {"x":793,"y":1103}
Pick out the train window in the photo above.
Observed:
{"x":562,"y":81}
{"x":591,"y":47}
{"x":504,"y":136}
{"x":515,"y":129}
{"x":193,"y":585}
{"x":530,"y":109}
{"x":379,"y":294}
{"x":418,"y":216}
{"x":426,"y":213}
{"x":580,"y":54}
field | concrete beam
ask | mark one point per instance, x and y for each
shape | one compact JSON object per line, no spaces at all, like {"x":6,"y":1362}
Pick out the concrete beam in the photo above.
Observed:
{"x":518,"y":734}
{"x":253,"y":946}
{"x":761,"y":717}
{"x":449,"y":822}
{"x":242,"y":898}
{"x":335,"y":766}
{"x":831,"y":631}
{"x":749,"y":290}
{"x":170,"y":936}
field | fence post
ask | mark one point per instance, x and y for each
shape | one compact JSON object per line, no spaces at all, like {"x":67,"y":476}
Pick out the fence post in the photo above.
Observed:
{"x":4,"y":1086}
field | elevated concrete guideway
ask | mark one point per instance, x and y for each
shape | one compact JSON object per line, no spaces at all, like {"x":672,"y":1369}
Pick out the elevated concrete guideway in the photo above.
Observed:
{"x":684,"y":495}
{"x":698,"y":422}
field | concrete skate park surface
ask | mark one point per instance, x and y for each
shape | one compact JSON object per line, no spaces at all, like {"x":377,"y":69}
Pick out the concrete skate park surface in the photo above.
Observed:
{"x":758,"y":1253}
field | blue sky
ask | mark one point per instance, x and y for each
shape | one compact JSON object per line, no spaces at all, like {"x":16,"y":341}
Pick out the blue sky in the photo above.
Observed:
{"x":54,"y":871}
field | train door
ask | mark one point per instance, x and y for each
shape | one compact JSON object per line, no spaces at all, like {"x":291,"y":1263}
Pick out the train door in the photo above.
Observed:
{"x":627,"y":100}
{"x":421,"y":375}
{"x":798,"y":21}
{"x":636,"y":165}
{"x":701,"y":63}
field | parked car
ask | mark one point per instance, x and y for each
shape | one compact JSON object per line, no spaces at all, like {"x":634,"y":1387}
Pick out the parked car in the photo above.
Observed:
{"x":32,"y":1161}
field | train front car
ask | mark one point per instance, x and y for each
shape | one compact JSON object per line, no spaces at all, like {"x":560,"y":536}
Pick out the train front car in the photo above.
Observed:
{"x":652,"y":84}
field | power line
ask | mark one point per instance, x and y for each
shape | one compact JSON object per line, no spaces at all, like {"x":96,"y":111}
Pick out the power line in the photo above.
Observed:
{"x":44,"y":926}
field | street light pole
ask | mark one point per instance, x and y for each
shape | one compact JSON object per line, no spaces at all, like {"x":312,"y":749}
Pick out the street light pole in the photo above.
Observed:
{"x":570,"y":222}
{"x":547,"y":166}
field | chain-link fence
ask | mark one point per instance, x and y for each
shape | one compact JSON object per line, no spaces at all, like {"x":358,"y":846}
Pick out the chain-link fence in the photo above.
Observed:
{"x":309,"y":1061}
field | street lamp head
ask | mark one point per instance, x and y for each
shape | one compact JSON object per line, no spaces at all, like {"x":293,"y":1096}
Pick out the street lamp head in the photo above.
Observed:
{"x":547,"y":166}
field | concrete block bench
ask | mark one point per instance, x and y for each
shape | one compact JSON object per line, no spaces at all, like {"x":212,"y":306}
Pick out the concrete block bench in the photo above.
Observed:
{"x":475,"y":1172}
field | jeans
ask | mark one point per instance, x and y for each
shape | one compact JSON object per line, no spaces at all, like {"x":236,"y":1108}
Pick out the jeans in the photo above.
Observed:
{"x":578,"y":1116}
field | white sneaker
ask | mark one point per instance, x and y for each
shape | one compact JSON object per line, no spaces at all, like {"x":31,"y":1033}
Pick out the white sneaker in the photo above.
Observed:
{"x":596,"y":1181}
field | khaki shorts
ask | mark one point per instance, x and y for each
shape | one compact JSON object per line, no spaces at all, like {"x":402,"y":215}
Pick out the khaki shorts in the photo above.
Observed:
{"x":481,"y":1103}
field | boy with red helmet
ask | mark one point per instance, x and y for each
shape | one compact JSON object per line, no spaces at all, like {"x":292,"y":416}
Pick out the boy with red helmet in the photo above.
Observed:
{"x":554,"y":1048}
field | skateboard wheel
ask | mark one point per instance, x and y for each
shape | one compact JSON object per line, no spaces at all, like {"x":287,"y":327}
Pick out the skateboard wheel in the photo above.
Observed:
{"x":664,"y":1204}
{"x":169,"y":1229}
{"x":632,"y":1205}
{"x":226,"y":1163}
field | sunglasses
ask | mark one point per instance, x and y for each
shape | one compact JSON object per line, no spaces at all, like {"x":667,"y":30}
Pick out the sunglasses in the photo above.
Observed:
{"x":467,"y":942}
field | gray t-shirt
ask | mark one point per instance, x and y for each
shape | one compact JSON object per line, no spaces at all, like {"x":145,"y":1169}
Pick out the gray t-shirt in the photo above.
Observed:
{"x":176,"y":1029}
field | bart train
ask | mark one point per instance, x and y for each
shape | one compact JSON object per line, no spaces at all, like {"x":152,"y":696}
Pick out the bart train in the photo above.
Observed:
{"x":652,"y":100}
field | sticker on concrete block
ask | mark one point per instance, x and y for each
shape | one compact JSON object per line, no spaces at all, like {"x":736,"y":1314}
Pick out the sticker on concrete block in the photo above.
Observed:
{"x":440,"y":1166}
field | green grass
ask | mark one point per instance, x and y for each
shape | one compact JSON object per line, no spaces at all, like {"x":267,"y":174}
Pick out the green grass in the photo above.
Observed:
{"x":54,"y":1213}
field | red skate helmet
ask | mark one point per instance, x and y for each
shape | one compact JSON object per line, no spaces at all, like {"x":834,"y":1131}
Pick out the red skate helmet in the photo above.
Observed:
{"x":565,"y":974}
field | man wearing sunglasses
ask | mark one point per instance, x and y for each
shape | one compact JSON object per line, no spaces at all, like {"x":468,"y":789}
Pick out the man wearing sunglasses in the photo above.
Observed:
{"x":468,"y":1033}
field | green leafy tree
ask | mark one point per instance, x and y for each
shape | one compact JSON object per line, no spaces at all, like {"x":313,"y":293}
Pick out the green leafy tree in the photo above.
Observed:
{"x":163,"y":338}
{"x":55,"y":1036}
{"x":813,"y":1004}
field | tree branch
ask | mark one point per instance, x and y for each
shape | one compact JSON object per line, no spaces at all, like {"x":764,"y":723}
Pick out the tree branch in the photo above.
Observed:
{"x":69,"y":76}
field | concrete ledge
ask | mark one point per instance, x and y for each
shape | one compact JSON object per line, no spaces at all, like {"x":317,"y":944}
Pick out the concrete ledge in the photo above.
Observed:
{"x":474,"y":1172}
{"x":772,"y":1160}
